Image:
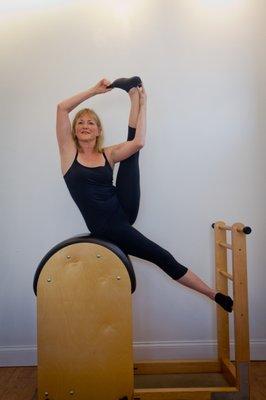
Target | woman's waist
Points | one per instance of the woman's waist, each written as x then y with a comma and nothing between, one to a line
99,219
94,193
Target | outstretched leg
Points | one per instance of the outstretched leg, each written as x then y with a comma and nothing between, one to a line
194,282
134,243
128,175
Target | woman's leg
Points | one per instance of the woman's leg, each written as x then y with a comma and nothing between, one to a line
128,176
194,282
134,243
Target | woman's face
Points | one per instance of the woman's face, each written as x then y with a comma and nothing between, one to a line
86,128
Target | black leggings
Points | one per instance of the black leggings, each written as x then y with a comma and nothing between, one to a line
121,233
128,183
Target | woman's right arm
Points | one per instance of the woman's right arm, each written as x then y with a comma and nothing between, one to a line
63,125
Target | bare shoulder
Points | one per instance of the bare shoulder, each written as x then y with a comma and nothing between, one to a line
67,155
108,152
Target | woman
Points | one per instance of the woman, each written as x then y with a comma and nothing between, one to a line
109,211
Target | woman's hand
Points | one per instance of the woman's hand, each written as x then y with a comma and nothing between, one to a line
101,86
142,96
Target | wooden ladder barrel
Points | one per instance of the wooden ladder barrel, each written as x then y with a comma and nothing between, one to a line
84,321
84,331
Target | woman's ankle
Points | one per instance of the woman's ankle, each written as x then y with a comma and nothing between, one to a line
133,91
212,295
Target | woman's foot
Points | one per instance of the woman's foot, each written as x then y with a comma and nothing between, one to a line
224,301
126,83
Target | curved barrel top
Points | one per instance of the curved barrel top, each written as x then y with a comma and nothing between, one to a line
87,238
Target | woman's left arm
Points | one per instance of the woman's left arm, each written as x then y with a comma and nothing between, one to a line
124,150
121,151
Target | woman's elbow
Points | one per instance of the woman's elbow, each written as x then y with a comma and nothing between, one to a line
140,145
60,106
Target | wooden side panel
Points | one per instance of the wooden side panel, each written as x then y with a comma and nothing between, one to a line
241,317
240,295
221,286
84,328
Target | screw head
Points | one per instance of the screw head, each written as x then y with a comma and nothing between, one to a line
118,278
71,392
68,256
49,280
98,255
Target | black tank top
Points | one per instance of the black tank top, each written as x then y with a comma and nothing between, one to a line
93,191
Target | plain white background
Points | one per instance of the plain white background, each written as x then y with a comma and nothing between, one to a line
203,66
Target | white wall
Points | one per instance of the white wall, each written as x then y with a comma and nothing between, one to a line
203,66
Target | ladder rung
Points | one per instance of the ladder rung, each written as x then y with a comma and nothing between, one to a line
229,276
226,245
225,228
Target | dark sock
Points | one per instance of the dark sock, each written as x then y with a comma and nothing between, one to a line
224,301
126,83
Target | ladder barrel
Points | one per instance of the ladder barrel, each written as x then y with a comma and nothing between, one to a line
84,325
84,321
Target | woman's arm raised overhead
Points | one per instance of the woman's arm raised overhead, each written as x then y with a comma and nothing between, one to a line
63,125
124,150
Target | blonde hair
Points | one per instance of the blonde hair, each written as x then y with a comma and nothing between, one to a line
99,139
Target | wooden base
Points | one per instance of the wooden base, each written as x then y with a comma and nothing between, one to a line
189,379
84,326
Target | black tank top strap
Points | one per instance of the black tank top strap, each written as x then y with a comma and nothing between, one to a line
107,162
104,155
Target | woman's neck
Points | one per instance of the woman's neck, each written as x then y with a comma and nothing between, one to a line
88,149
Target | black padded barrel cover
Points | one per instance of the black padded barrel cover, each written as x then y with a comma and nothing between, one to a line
87,238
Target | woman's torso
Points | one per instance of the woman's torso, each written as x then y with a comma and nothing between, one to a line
92,189
68,157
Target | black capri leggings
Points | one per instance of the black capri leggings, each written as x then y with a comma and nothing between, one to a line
120,231
134,243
